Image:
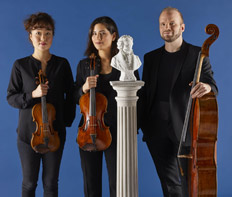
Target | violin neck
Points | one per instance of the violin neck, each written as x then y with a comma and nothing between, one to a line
44,109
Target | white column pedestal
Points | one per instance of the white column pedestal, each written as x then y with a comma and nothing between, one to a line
127,162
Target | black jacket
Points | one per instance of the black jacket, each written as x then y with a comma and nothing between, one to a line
60,93
180,89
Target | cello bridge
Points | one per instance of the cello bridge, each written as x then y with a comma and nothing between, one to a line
185,156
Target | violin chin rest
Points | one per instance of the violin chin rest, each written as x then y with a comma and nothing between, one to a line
89,147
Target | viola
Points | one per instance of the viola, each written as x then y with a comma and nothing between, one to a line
93,135
44,139
202,121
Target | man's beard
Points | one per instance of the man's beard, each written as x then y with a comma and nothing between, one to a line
172,38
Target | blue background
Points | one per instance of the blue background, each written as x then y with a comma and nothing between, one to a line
138,19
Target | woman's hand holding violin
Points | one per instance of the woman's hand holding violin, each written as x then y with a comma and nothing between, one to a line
41,90
91,82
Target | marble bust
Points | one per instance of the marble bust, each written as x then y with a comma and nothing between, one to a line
126,61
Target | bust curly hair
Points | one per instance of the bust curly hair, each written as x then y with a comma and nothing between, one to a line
122,39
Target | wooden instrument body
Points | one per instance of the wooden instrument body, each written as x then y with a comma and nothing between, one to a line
44,139
203,166
44,131
93,135
93,125
202,120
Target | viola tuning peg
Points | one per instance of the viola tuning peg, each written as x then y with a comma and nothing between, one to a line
92,56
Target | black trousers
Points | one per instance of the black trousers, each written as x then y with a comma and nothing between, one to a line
30,161
91,163
163,148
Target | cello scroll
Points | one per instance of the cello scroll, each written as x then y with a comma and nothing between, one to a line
209,29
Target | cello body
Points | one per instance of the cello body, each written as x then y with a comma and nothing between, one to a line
203,166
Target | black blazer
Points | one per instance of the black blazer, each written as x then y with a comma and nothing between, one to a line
180,89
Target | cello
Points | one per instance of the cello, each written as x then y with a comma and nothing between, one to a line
93,135
44,139
201,120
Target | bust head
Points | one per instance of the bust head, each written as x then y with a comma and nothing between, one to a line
125,60
125,43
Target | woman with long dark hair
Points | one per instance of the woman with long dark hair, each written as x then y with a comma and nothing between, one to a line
102,41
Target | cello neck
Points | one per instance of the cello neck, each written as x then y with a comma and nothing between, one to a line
189,106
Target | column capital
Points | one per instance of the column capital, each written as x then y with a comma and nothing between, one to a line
122,84
126,88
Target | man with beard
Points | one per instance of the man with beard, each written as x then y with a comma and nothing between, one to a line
168,73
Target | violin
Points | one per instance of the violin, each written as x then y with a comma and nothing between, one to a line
201,120
44,139
93,135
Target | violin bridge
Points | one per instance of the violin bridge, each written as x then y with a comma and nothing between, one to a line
86,126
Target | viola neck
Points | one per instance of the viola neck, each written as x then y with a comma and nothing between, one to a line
44,109
92,100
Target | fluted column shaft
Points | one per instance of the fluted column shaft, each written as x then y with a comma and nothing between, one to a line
127,162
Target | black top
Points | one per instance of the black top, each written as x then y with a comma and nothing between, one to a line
103,86
160,108
23,82
168,63
165,75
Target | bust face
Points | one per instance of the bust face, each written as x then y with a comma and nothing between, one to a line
127,46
